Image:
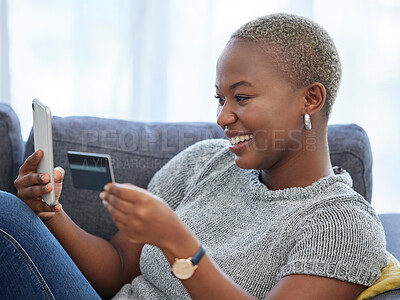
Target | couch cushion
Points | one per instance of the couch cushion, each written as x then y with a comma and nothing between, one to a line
350,149
11,149
137,151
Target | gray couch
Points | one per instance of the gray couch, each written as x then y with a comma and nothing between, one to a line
139,149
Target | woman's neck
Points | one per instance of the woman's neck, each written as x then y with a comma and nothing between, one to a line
301,168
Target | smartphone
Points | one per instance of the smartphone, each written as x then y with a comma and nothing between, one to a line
90,171
42,136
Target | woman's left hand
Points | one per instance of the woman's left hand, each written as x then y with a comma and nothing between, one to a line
142,216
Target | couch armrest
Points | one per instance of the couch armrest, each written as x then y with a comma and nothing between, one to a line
11,147
390,295
391,224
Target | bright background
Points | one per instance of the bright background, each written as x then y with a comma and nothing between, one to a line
154,60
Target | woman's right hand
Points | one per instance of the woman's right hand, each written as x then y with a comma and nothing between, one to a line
31,186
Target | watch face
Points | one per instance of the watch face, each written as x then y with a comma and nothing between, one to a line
183,268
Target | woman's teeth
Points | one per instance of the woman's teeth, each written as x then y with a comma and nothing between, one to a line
238,139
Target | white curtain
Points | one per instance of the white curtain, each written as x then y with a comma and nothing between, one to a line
154,60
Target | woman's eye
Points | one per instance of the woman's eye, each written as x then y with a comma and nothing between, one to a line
241,98
220,99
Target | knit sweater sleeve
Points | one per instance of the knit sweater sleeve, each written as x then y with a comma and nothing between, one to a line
173,180
338,239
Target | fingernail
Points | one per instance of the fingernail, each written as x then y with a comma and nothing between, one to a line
102,194
61,170
106,187
42,177
105,203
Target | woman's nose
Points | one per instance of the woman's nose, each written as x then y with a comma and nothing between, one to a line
226,115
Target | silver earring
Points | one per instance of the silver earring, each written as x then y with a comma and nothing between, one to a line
307,122
226,127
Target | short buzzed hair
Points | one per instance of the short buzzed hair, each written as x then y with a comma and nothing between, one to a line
307,52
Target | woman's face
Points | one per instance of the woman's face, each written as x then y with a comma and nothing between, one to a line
260,107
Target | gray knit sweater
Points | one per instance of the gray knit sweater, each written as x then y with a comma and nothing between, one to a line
257,236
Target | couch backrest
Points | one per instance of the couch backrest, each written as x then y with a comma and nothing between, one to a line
139,149
11,148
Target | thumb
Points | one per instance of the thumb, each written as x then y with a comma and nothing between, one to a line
58,174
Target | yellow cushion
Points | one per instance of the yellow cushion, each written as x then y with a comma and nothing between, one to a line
389,280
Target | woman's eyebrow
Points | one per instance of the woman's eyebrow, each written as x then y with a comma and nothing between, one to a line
239,83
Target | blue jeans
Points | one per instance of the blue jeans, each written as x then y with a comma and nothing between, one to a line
33,265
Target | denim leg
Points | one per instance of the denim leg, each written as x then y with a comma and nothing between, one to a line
19,276
33,265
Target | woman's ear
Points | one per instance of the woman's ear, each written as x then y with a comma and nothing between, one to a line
314,98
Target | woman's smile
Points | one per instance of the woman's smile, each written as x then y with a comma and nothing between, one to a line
239,141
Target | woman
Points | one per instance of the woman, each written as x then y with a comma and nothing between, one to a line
262,215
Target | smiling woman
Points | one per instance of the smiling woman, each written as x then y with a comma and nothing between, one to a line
262,217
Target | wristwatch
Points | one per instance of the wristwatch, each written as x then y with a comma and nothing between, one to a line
183,268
